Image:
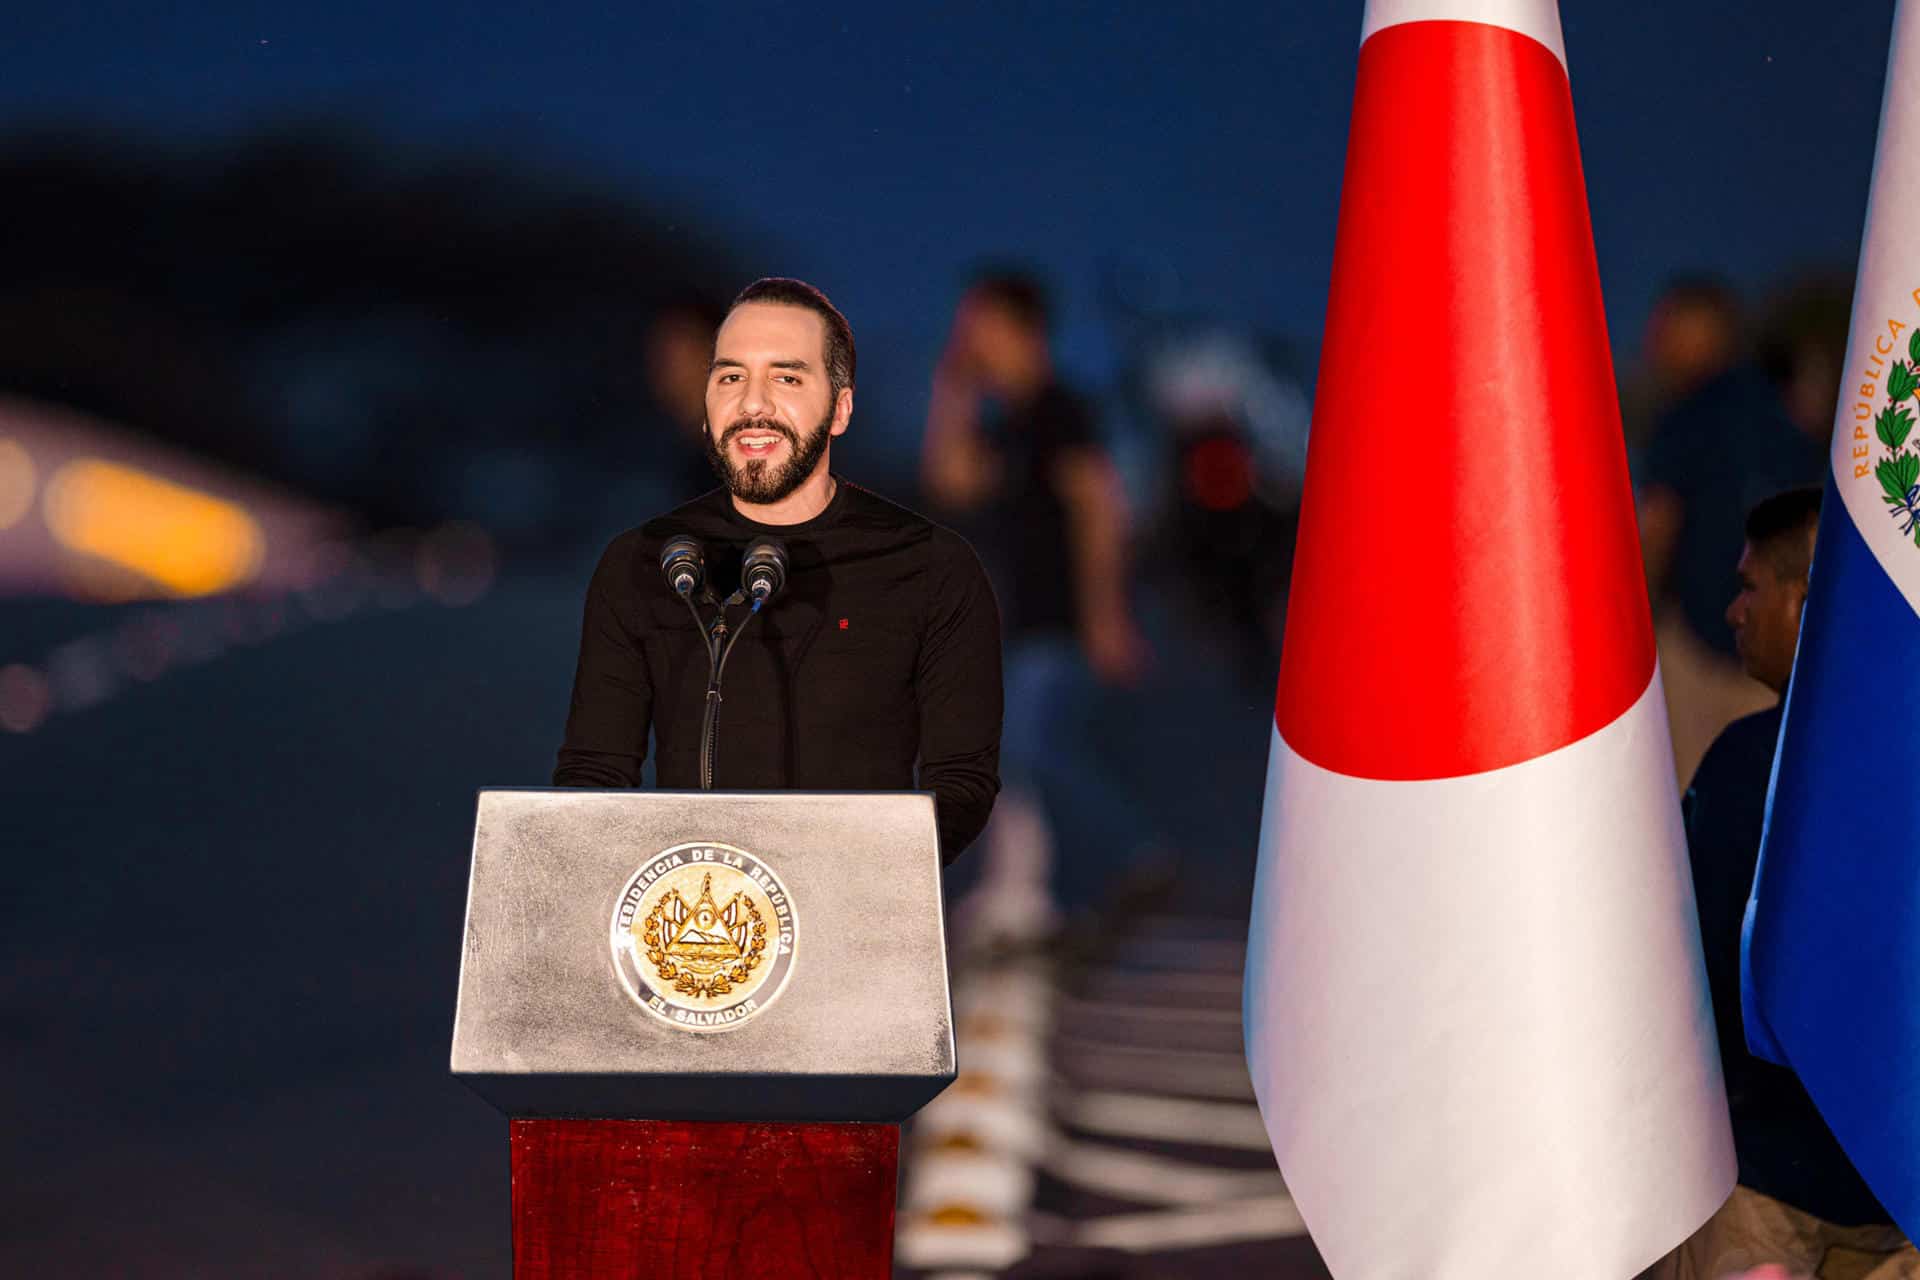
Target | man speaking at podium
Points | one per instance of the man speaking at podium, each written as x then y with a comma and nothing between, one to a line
867,637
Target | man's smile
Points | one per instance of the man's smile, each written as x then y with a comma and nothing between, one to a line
756,444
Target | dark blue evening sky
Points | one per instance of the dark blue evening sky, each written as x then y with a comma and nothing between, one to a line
883,148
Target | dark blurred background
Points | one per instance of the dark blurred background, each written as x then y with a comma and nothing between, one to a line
335,341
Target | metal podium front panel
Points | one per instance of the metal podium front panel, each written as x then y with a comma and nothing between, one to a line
704,955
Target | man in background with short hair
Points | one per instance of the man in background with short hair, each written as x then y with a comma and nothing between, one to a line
1799,1199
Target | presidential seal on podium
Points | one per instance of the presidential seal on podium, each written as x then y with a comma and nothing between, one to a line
703,936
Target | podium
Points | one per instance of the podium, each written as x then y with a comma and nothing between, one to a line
706,1015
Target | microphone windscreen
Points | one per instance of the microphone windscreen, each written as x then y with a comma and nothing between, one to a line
763,570
683,561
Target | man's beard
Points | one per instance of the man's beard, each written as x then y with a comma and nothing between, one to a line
758,480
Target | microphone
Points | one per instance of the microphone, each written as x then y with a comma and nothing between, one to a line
763,570
684,562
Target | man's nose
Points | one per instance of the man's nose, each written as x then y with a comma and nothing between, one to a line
1736,612
753,397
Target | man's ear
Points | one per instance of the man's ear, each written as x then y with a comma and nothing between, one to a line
842,411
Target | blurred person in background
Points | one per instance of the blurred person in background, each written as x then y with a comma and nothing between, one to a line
876,666
1750,430
677,356
1798,1195
1220,417
1227,539
1010,444
1693,334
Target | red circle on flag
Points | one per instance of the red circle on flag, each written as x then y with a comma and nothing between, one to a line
1467,591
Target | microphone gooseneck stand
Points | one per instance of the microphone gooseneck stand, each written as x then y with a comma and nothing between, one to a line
719,649
763,572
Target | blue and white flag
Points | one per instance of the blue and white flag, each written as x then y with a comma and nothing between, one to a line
1831,958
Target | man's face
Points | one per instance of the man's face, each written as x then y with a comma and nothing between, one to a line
1686,344
770,407
679,347
1765,618
1000,347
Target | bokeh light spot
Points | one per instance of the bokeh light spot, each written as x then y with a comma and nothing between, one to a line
16,482
187,542
456,563
25,698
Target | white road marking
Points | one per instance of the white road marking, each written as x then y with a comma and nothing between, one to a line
1012,1125
1150,1179
987,1183
1144,1115
1088,1063
991,1245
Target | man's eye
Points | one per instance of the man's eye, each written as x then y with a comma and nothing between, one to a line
787,377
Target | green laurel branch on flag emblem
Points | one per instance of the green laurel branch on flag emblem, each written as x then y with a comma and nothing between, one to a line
1899,472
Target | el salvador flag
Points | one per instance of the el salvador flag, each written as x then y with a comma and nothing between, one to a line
1831,958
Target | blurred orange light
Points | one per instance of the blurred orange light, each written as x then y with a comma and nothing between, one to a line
16,482
187,542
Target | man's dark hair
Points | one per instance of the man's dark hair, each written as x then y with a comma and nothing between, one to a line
1781,528
1019,292
1806,324
798,293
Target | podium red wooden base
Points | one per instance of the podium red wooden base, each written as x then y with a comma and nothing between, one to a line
647,1199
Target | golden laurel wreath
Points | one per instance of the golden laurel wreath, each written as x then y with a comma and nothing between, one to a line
704,968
